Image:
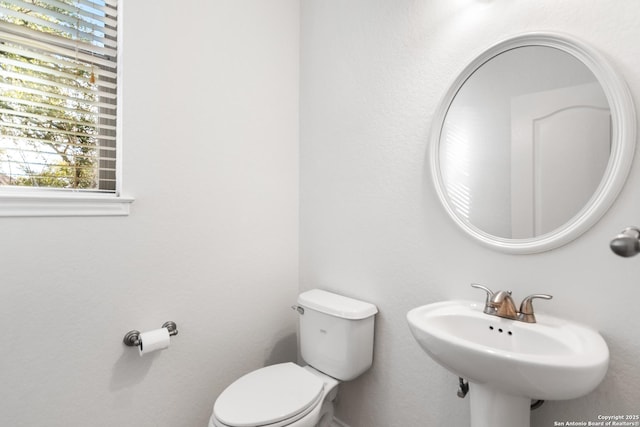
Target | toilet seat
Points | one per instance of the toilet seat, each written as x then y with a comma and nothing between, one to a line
279,395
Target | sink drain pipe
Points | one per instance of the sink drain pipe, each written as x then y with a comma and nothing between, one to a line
536,404
463,389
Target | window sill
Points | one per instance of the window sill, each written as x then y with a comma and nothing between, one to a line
74,204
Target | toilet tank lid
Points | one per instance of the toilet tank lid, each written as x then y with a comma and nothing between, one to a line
336,305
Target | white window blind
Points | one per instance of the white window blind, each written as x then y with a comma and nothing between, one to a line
58,94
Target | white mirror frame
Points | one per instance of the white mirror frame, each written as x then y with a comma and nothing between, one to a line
623,143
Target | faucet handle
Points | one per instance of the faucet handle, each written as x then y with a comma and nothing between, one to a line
484,288
526,307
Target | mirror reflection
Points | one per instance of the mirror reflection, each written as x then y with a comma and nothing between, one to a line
525,142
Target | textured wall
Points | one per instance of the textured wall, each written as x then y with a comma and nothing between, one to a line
372,72
211,153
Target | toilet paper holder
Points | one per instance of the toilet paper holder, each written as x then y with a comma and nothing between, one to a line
132,338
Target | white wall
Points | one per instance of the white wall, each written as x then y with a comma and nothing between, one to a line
210,154
372,72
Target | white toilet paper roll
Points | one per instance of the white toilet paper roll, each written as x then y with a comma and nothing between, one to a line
155,340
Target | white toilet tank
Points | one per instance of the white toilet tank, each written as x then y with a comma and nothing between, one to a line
336,333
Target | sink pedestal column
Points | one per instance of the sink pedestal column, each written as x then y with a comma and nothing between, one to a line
492,408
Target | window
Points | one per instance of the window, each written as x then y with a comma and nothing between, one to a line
58,88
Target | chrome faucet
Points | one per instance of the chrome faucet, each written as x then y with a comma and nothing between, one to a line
501,304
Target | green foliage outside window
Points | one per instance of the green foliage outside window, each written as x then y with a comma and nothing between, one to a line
50,123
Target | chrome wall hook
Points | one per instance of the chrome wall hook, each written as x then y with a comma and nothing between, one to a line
627,242
132,338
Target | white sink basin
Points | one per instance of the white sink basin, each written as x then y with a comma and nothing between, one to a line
549,360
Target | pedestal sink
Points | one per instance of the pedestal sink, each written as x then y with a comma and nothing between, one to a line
508,363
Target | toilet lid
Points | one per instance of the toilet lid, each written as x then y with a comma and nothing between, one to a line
268,395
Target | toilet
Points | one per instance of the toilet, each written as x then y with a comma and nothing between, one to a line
336,343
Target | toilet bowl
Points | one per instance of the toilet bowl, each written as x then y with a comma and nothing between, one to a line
336,341
280,395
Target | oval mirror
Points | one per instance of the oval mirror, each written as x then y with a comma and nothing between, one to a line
532,143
